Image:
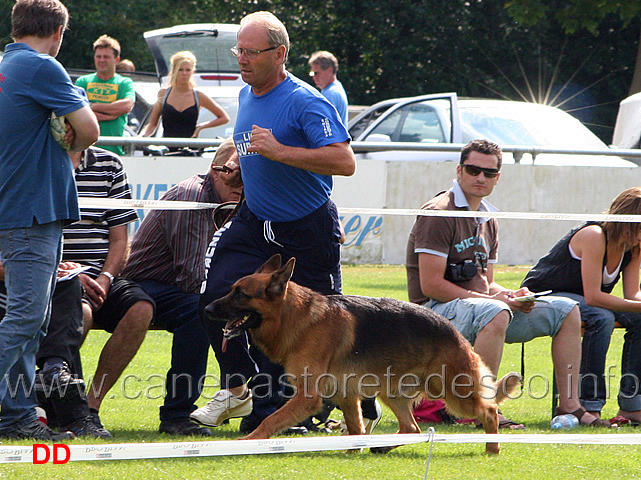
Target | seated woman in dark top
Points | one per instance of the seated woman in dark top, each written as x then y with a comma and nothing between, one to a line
179,104
585,265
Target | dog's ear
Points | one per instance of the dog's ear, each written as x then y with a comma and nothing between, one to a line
279,279
271,265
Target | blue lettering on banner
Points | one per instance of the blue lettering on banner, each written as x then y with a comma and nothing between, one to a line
147,191
358,228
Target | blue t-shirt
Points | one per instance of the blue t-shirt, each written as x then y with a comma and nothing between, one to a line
297,116
36,175
335,93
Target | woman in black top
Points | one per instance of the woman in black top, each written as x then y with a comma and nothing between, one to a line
585,265
179,104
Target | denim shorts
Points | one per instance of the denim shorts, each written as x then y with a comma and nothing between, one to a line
471,315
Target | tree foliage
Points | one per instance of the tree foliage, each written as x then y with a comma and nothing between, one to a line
392,49
583,14
575,14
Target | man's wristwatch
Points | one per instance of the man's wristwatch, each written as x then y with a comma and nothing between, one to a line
109,276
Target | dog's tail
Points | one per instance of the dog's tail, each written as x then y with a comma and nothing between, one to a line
507,386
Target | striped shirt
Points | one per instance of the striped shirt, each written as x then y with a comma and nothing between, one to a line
99,175
170,245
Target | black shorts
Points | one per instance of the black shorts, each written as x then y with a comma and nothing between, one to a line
122,295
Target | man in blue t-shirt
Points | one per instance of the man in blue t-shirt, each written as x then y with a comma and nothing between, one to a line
290,141
37,197
324,67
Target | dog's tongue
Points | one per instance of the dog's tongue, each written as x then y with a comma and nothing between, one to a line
224,346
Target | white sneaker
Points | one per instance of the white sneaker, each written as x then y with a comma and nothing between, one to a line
224,405
370,424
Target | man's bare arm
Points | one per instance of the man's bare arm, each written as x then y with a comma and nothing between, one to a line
431,271
117,108
116,256
102,117
118,250
85,127
333,159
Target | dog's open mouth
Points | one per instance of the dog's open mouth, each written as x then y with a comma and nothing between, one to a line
233,328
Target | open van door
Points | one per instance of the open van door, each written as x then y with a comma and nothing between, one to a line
627,129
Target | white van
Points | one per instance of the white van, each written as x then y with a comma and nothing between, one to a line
209,42
627,129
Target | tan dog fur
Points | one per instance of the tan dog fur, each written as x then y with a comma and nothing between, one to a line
328,343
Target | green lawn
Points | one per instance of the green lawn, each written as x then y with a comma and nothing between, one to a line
131,413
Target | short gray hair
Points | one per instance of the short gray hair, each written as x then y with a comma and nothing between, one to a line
325,59
276,31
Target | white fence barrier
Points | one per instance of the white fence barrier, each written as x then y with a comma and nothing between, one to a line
136,451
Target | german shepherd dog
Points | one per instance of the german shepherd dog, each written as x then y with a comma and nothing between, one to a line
344,348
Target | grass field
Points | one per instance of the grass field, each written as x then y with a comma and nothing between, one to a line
131,413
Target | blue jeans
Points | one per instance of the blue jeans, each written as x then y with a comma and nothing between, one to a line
177,312
30,257
599,324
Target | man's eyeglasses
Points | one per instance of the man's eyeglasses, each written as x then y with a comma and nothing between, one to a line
476,171
250,52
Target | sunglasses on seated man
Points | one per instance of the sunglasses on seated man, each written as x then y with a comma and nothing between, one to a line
476,171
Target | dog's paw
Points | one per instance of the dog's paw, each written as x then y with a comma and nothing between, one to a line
492,448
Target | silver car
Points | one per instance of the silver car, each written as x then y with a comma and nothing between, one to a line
447,119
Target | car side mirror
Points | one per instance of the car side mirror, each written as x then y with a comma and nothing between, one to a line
378,137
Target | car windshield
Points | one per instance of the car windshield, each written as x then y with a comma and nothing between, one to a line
524,124
211,48
364,122
416,122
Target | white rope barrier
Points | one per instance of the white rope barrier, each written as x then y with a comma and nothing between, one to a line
86,202
137,451
544,438
107,203
512,215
